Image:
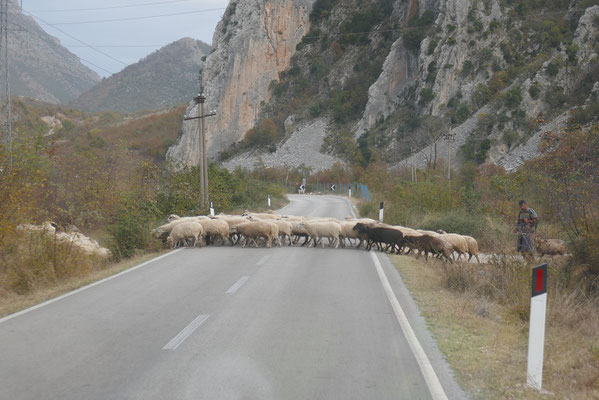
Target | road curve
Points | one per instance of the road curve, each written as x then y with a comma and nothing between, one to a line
230,323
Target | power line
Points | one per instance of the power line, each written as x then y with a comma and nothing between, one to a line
136,18
42,39
113,7
73,37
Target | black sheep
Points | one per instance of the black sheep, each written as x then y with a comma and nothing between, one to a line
381,235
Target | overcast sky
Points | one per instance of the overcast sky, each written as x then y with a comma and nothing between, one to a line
149,34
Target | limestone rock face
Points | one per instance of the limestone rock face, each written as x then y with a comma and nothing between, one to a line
253,44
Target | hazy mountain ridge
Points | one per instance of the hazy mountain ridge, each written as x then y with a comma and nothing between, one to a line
167,77
40,67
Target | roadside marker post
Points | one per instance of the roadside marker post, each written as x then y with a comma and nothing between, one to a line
269,200
381,211
536,333
350,190
211,209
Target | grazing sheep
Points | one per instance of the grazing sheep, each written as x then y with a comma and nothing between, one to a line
551,247
192,230
472,247
457,241
318,230
378,233
258,229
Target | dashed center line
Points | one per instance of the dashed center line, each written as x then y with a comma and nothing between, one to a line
186,332
263,260
238,285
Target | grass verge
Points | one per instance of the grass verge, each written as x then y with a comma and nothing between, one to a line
485,339
11,302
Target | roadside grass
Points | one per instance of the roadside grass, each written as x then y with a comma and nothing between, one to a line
481,327
11,302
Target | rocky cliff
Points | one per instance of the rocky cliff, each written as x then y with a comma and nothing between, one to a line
388,79
167,77
253,45
39,66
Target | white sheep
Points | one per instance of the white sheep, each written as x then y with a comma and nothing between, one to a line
185,231
551,247
320,230
215,228
253,230
472,247
457,241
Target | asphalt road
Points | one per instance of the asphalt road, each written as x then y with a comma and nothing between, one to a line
231,323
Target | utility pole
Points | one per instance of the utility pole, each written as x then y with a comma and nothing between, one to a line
412,167
449,137
200,99
5,58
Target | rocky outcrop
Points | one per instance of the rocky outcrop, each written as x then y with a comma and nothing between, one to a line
164,78
303,148
39,66
253,44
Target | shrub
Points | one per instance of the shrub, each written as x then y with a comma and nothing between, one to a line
552,69
513,97
534,91
426,95
462,113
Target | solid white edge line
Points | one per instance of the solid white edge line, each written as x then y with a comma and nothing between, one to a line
186,332
351,207
263,260
81,289
238,285
432,381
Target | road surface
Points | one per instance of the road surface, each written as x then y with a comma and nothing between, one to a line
231,323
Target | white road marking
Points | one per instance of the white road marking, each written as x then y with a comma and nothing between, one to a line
186,332
238,285
432,381
263,260
11,316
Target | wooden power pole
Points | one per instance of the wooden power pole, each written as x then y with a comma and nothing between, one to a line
200,99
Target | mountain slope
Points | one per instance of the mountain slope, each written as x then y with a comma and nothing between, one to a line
39,66
165,78
391,77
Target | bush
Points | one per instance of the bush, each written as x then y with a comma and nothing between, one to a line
552,69
534,91
462,113
426,95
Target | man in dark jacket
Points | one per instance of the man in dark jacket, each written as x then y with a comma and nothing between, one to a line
526,227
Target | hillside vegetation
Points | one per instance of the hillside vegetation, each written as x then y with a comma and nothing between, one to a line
105,174
164,78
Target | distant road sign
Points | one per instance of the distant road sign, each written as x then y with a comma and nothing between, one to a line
333,188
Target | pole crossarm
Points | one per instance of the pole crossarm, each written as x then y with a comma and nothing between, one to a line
200,116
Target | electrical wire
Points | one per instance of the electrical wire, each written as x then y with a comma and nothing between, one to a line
138,18
112,7
74,38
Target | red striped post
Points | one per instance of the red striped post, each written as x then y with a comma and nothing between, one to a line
536,333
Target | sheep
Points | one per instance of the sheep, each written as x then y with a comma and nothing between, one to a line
348,232
318,230
298,230
435,245
216,228
430,233
163,231
254,229
550,247
233,221
457,241
46,227
285,230
381,234
184,231
261,215
472,247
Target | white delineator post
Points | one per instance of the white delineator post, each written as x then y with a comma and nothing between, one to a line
536,333
381,211
350,191
211,209
269,200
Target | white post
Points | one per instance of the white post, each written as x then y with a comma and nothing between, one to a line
211,209
536,333
350,190
269,200
381,211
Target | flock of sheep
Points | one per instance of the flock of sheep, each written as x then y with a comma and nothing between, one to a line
270,229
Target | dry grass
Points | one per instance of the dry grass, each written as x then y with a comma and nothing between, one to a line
479,314
11,302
